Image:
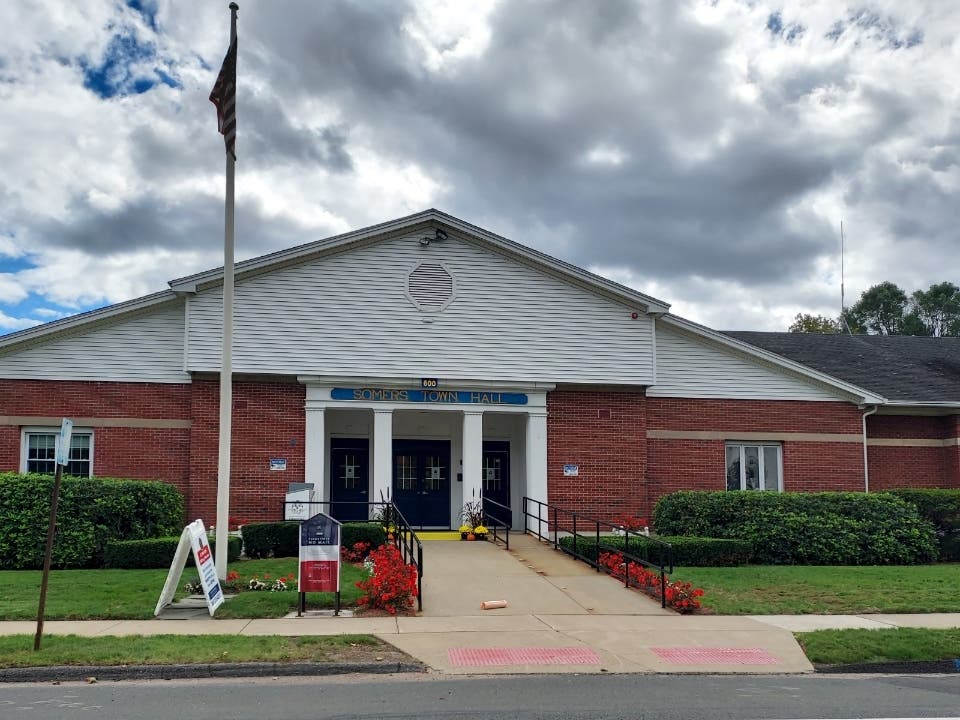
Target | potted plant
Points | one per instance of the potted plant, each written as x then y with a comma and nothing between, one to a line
480,532
472,518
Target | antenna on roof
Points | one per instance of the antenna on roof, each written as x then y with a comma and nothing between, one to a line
843,308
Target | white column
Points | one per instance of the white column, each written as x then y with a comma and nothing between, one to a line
382,455
472,455
315,456
536,475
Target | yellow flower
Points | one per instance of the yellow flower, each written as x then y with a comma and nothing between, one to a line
466,529
479,530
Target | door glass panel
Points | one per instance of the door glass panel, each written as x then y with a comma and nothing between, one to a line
751,469
406,473
771,468
349,471
435,474
492,477
733,467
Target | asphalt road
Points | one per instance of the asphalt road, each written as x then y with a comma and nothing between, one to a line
590,697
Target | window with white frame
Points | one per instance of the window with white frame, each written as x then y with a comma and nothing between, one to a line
40,452
754,466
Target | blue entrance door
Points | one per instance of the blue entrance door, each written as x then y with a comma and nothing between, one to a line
421,481
495,480
349,478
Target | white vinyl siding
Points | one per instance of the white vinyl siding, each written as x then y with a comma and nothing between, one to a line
693,367
144,347
350,314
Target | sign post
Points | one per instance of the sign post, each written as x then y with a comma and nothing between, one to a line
62,457
319,569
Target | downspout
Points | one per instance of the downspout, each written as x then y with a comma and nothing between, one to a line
866,470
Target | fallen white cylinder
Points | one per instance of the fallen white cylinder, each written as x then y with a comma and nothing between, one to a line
493,604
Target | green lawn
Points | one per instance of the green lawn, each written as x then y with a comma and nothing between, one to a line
794,589
17,650
133,594
833,647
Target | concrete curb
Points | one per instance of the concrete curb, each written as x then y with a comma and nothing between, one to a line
67,673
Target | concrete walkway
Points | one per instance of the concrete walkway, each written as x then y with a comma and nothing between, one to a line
561,617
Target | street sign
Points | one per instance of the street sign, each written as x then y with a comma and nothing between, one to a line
63,445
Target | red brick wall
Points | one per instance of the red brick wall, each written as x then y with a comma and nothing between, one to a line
913,466
688,464
142,453
604,432
69,398
9,448
753,415
268,422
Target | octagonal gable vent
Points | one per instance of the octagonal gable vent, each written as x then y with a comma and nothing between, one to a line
430,286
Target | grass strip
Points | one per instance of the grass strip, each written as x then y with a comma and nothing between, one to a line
104,594
17,650
840,647
801,589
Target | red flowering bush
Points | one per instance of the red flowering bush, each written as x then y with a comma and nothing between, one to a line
629,522
356,553
681,596
392,586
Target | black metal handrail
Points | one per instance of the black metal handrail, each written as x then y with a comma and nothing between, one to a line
403,535
496,522
586,533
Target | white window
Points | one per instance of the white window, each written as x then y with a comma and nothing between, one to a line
39,452
754,466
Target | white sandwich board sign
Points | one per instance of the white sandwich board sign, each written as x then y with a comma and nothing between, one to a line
193,537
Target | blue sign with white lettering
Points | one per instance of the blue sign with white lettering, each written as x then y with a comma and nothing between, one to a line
466,397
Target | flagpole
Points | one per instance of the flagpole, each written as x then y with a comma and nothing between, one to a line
226,367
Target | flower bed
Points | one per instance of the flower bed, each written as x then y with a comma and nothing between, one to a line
680,596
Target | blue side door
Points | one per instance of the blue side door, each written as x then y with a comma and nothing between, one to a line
495,480
349,478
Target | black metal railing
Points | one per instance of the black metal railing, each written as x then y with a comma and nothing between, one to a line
383,512
590,539
497,518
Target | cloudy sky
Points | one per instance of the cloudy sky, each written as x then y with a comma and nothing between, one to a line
701,151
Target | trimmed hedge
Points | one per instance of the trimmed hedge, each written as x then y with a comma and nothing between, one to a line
157,552
687,551
942,508
90,513
281,539
830,528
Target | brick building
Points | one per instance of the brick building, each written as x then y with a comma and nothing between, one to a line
430,361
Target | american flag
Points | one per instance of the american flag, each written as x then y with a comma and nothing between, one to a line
224,96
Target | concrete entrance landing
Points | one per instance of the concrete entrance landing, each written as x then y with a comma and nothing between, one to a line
562,616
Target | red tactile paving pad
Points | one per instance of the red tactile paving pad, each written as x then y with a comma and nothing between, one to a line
714,656
479,657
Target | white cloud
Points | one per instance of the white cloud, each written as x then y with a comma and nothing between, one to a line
702,152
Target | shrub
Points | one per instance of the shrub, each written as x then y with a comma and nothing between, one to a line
942,508
91,512
156,552
686,551
271,539
282,539
367,532
832,528
392,586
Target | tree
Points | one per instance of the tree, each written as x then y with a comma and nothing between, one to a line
880,310
938,309
807,323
